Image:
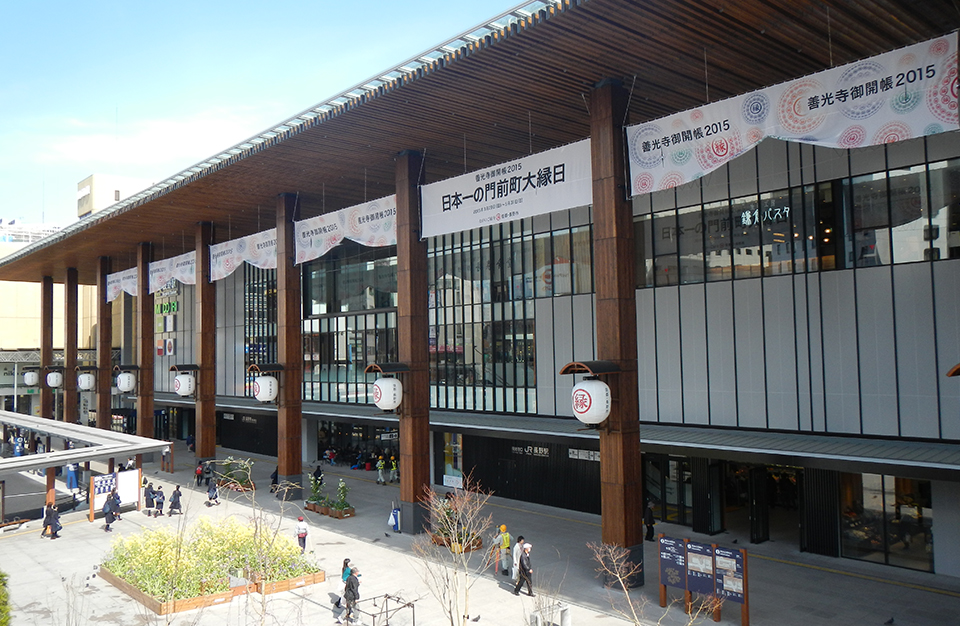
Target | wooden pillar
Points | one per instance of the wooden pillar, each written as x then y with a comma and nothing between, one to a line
104,346
413,341
145,344
205,323
289,350
70,347
46,345
620,483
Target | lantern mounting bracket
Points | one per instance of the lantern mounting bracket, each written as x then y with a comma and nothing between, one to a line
186,367
386,368
266,367
53,368
126,368
954,371
86,368
591,368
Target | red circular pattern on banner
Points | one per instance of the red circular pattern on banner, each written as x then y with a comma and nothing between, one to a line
939,48
792,108
942,100
717,152
754,135
696,116
853,137
672,179
908,60
643,183
890,132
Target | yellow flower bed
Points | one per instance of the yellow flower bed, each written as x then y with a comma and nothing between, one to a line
167,565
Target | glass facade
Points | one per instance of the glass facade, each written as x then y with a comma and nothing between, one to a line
259,320
483,287
886,519
898,216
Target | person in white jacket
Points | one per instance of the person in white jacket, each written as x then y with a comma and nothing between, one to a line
302,531
517,551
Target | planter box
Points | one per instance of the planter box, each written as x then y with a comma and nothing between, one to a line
172,606
235,486
343,513
323,510
290,583
312,506
475,544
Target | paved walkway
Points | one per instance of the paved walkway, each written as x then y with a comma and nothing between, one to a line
54,582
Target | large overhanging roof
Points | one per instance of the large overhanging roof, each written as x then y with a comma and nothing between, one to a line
90,444
516,85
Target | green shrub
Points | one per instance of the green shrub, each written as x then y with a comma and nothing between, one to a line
4,601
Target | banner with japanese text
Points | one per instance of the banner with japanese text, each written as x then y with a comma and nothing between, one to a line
541,183
902,94
181,268
372,224
118,282
259,250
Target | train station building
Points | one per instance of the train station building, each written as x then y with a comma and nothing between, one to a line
743,218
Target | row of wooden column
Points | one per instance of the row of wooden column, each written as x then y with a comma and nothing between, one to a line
615,313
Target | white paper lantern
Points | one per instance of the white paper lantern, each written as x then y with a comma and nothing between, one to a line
591,401
54,380
31,379
387,393
86,381
126,382
266,388
184,384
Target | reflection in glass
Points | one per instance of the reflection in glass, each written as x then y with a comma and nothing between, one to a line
775,233
643,245
690,244
945,209
909,215
665,248
746,237
871,220
718,240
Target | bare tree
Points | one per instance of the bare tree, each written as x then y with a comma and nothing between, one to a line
619,572
451,553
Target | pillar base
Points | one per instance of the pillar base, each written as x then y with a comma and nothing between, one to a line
293,487
635,556
413,517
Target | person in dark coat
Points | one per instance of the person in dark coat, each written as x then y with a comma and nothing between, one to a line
148,497
109,514
51,520
207,473
159,499
174,501
114,499
526,572
199,473
351,593
212,496
273,479
649,520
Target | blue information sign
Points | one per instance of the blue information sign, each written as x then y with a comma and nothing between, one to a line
700,578
673,567
729,575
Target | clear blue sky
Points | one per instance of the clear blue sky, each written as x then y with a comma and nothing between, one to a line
146,89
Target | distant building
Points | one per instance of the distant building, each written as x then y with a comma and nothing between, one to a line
99,191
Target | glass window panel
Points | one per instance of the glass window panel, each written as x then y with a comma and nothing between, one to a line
562,279
690,244
861,510
542,267
909,517
945,209
643,251
833,232
871,220
746,237
665,263
776,237
801,214
582,240
718,241
909,215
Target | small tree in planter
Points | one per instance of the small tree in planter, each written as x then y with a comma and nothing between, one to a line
341,507
236,474
317,499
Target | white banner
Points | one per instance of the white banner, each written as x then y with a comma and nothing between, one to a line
118,282
318,235
259,250
910,92
534,185
182,268
372,224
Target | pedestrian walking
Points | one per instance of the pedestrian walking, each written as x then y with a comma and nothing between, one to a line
109,514
273,479
501,543
114,499
351,594
158,499
199,473
207,472
649,520
148,497
394,474
302,534
212,496
51,522
517,551
526,572
174,501
380,466
344,575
